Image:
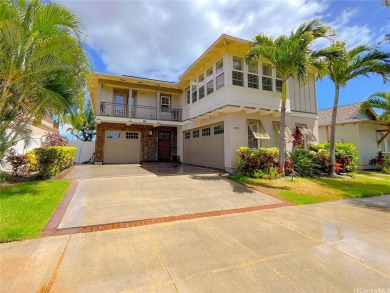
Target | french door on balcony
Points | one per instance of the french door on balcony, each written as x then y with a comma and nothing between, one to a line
120,104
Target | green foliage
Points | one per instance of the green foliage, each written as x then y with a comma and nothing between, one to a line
83,123
386,164
379,100
44,68
18,162
258,163
54,159
31,161
305,164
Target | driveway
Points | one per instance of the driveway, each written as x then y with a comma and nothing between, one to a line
121,193
341,246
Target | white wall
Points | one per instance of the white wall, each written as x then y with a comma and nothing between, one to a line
85,149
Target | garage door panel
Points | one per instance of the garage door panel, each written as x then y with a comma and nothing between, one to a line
123,148
205,151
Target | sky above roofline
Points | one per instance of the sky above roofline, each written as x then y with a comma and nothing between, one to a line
161,39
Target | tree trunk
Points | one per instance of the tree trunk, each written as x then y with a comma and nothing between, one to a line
282,128
332,141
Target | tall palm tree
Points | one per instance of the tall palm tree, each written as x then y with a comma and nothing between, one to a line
379,100
292,56
361,60
43,66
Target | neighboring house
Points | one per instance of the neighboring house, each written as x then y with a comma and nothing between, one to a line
38,133
219,104
363,130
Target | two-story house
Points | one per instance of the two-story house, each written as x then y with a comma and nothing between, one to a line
219,104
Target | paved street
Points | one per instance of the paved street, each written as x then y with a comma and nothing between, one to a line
331,247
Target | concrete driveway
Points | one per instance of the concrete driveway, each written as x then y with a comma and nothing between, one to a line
121,193
341,246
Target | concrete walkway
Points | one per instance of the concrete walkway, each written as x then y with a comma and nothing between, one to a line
121,193
341,246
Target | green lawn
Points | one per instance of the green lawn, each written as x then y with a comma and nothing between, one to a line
313,190
25,208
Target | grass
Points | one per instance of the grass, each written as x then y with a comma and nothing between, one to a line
25,208
314,190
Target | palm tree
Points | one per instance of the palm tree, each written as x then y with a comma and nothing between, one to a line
292,57
379,100
43,66
361,60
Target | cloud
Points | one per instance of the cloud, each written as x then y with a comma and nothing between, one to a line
160,39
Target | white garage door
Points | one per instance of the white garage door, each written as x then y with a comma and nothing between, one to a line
205,146
122,147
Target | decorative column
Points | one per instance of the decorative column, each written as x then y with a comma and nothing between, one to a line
158,105
130,102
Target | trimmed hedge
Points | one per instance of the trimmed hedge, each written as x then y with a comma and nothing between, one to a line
53,159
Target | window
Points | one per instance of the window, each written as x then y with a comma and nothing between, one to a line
218,129
206,131
276,129
188,96
210,87
220,81
309,136
131,135
165,103
253,142
385,144
253,75
238,63
219,67
194,94
209,71
238,78
201,92
267,77
195,133
238,74
253,81
113,134
187,135
120,106
258,129
278,83
201,78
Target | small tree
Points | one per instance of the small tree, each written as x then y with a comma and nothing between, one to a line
83,123
54,139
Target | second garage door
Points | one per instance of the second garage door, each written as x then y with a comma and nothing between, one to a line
205,146
122,147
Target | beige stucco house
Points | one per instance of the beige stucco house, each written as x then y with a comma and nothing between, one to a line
219,104
363,130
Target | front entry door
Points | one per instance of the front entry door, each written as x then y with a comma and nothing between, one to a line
164,145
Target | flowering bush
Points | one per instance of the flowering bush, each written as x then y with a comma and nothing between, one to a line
54,139
382,161
19,163
53,159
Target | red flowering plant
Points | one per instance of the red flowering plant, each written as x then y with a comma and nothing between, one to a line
54,139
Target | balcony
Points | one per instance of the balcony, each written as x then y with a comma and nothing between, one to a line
139,112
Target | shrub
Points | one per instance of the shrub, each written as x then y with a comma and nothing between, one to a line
19,163
258,163
378,160
31,161
305,164
386,164
54,139
54,159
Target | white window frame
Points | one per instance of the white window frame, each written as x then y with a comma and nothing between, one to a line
278,78
187,135
163,107
188,97
258,129
238,72
263,76
306,131
385,143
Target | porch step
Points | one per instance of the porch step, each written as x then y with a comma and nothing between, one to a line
161,163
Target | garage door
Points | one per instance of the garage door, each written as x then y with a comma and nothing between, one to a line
205,146
122,147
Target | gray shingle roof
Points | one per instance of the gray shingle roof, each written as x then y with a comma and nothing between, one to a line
345,114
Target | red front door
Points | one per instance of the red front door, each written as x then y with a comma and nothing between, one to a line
164,145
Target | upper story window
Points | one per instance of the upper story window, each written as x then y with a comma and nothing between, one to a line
238,74
220,81
278,82
201,78
209,71
201,92
253,75
267,77
165,103
210,87
188,96
219,67
194,93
